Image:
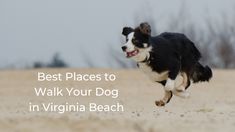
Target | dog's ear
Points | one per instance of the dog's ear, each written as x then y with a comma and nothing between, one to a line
127,30
145,28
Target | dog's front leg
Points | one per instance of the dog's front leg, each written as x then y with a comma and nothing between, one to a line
170,84
166,99
173,72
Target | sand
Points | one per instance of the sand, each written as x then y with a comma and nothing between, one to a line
211,106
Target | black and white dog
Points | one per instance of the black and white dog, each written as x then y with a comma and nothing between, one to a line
164,57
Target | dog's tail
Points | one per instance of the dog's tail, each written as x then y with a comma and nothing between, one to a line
201,73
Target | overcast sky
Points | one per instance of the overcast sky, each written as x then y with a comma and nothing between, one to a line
32,30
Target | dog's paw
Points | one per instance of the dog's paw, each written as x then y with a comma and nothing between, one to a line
170,85
182,94
160,103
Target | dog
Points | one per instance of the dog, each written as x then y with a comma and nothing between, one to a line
164,57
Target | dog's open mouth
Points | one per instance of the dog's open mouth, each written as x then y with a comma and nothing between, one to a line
132,53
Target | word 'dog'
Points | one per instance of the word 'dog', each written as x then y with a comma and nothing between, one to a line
106,92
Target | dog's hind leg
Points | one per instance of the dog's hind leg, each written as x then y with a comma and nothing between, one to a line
166,99
180,90
184,83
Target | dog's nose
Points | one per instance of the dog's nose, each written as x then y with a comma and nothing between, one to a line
124,48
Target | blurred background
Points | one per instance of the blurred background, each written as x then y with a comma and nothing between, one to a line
76,33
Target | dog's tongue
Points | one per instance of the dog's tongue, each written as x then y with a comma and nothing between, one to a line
132,53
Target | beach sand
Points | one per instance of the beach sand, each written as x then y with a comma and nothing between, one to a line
210,107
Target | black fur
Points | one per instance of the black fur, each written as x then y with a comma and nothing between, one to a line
127,30
176,53
201,73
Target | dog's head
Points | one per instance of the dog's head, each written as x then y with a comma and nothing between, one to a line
137,41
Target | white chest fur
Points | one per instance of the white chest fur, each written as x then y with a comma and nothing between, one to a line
154,76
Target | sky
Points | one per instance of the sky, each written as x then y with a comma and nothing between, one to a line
81,30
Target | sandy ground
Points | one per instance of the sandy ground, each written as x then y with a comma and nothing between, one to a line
211,106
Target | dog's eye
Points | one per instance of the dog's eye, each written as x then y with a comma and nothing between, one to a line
127,39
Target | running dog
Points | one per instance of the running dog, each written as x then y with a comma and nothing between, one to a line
164,57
